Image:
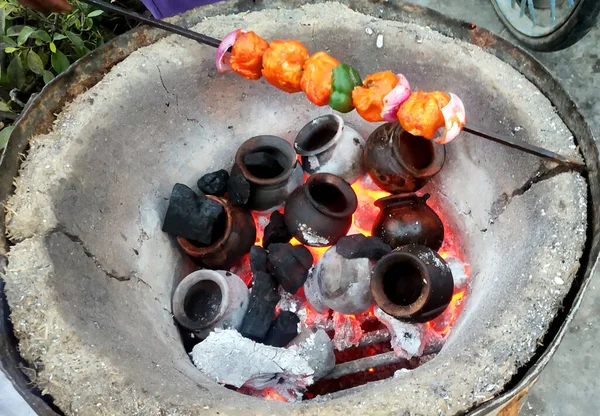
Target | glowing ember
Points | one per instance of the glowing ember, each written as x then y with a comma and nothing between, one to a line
444,323
271,394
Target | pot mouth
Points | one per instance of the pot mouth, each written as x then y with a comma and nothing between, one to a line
417,155
200,299
223,229
400,284
331,195
278,150
396,199
319,135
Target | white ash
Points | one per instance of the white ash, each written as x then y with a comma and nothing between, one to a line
379,41
458,272
317,349
430,257
407,339
311,237
347,331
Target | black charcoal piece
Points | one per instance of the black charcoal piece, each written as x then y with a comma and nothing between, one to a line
276,231
214,183
238,189
192,216
289,265
357,245
263,165
261,307
258,259
283,330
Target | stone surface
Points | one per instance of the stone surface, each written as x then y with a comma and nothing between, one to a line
214,183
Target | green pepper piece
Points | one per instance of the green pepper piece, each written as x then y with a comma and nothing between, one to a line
344,79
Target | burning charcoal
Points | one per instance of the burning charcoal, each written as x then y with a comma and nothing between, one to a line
238,189
258,259
283,330
347,331
214,183
289,265
261,309
357,245
276,231
263,164
192,216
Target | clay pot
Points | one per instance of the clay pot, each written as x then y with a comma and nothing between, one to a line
398,162
320,212
237,237
407,219
208,299
413,284
340,284
269,187
328,145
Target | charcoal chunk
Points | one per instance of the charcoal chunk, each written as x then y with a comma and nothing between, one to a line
283,330
258,259
289,265
261,307
192,216
263,164
238,189
214,183
357,245
276,231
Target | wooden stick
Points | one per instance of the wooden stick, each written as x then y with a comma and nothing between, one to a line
526,147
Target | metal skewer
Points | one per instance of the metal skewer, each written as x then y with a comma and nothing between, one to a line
525,147
198,37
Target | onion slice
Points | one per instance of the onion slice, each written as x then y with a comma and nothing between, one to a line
455,117
395,98
223,53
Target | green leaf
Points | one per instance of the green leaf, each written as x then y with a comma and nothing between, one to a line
4,107
48,76
60,62
10,50
24,34
95,13
59,36
52,47
5,135
5,41
41,35
35,62
14,30
16,72
76,41
2,20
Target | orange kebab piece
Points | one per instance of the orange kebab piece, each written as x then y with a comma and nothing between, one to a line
247,55
316,80
421,114
368,99
283,64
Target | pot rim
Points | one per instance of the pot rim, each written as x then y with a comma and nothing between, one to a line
263,142
305,132
343,186
377,289
196,251
389,200
438,150
184,287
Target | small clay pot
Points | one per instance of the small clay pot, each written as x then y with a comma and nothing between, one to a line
208,299
399,162
238,235
319,213
413,284
269,187
328,145
407,219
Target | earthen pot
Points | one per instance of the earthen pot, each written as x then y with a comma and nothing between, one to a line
399,162
412,283
328,145
269,188
238,235
319,213
209,299
407,219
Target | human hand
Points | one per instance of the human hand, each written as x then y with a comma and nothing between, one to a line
47,6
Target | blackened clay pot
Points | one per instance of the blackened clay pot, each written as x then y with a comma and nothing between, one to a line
407,219
208,299
399,162
269,188
413,284
237,236
328,145
319,213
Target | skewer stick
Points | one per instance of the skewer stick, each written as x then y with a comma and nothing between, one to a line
525,147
